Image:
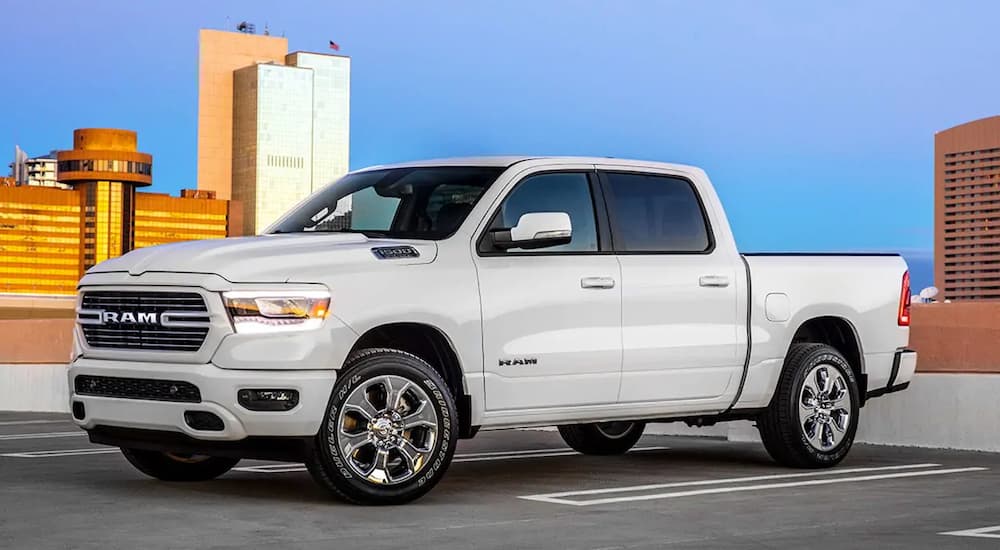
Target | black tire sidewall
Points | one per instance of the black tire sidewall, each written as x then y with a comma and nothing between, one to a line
334,464
591,440
824,356
161,466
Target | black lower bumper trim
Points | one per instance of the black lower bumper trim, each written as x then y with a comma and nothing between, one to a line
287,449
892,386
887,390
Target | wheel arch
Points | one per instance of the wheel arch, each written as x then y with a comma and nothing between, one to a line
433,346
839,333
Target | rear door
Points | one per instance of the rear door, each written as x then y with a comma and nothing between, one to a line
551,316
680,328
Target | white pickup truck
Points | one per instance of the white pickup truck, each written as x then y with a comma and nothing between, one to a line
405,307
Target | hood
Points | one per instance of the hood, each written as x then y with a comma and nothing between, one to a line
268,258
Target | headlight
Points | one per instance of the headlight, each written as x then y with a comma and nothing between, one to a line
265,311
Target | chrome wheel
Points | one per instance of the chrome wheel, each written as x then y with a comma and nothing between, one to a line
614,430
824,407
387,429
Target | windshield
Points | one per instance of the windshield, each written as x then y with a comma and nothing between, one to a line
415,203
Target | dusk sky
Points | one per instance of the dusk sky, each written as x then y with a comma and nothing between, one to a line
815,121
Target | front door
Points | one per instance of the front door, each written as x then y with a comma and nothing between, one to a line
551,316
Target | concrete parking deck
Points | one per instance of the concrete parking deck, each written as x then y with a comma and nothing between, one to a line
513,489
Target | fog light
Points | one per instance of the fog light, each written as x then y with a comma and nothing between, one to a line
79,411
268,400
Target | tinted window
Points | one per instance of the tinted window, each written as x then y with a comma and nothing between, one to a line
655,214
559,192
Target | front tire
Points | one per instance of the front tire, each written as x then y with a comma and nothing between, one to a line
813,416
603,438
178,467
390,430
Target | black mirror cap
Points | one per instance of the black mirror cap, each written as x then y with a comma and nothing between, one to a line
546,242
501,240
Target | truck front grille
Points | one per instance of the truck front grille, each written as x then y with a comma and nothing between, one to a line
137,388
136,320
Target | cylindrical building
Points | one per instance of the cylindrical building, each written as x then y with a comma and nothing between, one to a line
106,166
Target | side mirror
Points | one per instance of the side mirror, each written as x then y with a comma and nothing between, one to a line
535,230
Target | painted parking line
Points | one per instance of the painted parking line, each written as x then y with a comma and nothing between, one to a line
829,477
468,457
62,452
47,435
980,533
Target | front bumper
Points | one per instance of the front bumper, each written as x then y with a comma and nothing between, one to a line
218,387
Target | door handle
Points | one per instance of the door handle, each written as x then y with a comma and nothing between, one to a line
597,282
716,281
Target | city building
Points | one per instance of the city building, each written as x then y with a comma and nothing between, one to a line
50,236
967,210
286,118
18,169
221,53
37,171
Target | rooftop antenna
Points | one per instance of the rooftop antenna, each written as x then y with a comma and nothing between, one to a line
266,31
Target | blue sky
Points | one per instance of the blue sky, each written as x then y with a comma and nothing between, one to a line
815,120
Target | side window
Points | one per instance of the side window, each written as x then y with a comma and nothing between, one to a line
655,214
567,192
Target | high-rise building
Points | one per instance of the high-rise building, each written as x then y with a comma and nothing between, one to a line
219,55
967,210
39,171
50,236
272,144
331,125
18,169
288,125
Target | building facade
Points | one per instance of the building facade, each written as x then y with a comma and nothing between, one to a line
288,125
967,210
330,123
221,53
37,171
50,236
272,160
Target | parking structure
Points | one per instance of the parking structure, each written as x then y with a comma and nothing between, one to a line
505,489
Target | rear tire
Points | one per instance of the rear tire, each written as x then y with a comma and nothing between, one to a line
175,467
603,438
390,430
813,416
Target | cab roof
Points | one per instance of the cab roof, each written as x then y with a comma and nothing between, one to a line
505,161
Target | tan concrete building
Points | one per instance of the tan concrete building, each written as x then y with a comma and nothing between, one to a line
967,210
286,119
221,53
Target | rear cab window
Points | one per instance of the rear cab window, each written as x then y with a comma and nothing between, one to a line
653,213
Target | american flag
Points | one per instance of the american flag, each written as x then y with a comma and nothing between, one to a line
334,46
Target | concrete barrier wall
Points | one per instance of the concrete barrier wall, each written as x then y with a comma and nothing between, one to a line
38,387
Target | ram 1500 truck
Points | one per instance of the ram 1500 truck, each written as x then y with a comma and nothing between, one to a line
404,307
